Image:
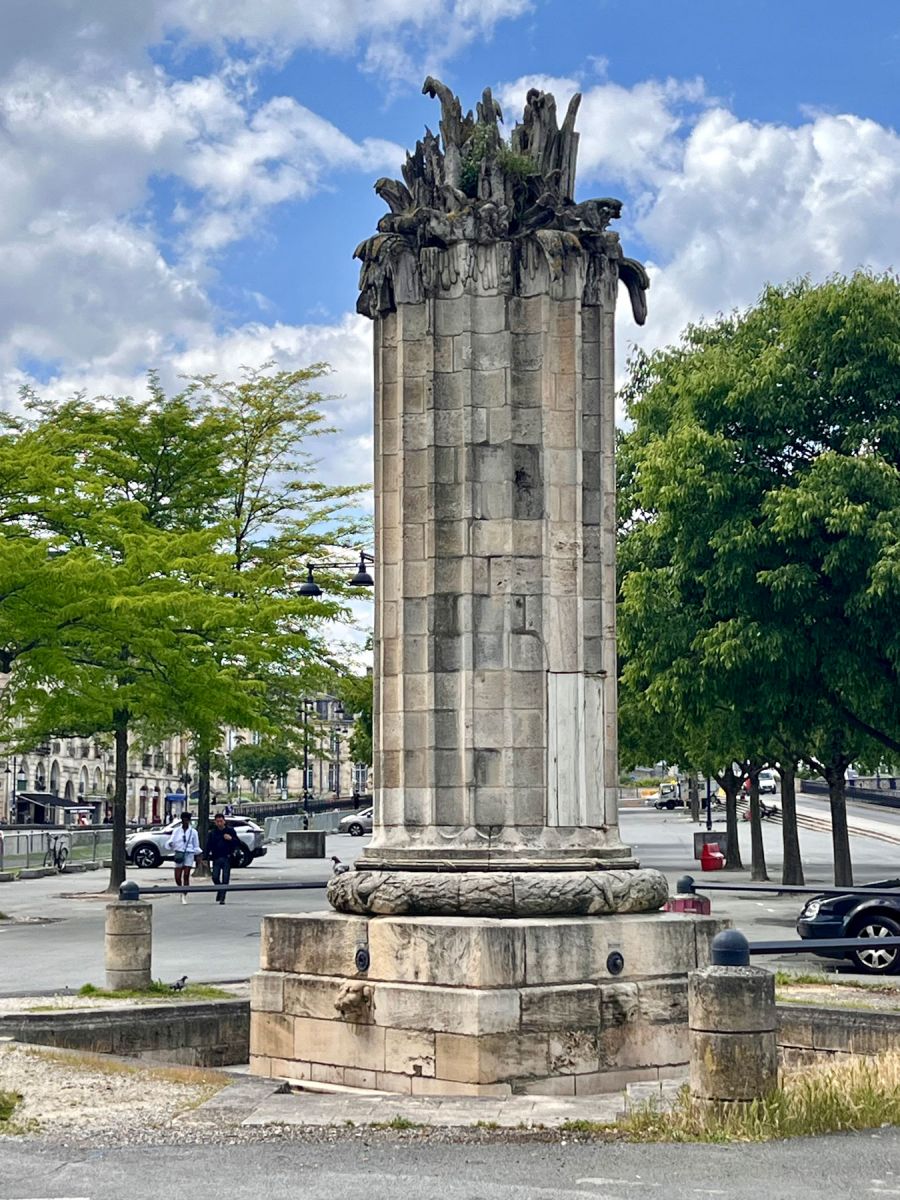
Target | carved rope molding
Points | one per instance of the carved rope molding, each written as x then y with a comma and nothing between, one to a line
469,189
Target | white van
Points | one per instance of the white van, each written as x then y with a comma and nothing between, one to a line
768,782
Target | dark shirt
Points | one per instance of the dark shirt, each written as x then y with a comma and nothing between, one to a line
216,844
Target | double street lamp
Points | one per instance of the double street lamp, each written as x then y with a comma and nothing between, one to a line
362,578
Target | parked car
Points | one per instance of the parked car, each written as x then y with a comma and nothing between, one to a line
147,847
877,916
356,824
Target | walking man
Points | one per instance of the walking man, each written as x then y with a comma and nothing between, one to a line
220,842
185,846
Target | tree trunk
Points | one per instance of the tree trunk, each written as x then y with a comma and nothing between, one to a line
731,785
694,794
840,838
758,872
120,799
204,769
792,865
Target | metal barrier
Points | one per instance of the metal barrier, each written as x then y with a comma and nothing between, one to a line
27,848
688,886
731,949
131,891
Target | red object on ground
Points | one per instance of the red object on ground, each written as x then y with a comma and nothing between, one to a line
711,857
688,904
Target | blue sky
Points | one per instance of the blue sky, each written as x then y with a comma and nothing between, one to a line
183,182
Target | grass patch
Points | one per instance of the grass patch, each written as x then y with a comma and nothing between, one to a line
158,991
80,1060
4,917
836,1098
9,1102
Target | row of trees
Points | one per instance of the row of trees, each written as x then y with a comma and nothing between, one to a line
759,548
150,555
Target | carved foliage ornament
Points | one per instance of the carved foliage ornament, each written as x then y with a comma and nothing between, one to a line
471,185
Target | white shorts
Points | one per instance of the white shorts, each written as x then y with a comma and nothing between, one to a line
188,861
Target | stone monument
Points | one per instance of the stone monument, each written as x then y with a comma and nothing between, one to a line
476,943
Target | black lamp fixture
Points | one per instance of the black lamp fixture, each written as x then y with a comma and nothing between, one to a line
362,578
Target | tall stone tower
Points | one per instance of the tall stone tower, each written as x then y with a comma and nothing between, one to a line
493,298
496,936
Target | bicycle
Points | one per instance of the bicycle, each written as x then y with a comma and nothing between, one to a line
57,852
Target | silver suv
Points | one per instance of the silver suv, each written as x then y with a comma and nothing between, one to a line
147,847
356,824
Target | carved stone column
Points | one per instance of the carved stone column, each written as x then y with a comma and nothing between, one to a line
493,299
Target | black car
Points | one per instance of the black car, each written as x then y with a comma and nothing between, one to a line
877,916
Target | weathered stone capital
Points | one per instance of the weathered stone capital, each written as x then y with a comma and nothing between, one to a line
470,188
498,893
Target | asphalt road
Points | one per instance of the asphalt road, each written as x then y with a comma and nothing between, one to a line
355,1168
61,946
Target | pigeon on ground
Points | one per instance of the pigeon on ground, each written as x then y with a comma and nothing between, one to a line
339,867
178,985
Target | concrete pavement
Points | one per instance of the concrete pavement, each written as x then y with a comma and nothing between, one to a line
354,1165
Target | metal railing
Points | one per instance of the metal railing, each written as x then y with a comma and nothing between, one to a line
131,891
687,885
26,848
731,949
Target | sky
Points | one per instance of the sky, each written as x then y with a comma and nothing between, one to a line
183,182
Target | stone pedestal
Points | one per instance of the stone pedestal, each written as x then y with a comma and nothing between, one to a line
475,1006
128,944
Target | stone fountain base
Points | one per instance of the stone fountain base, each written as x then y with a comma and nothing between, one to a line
451,1005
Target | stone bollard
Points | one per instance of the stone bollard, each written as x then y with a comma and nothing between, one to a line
305,843
731,1018
128,944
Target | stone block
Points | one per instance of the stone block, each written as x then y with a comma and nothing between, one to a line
339,1043
560,1085
315,996
641,1045
272,1035
312,943
267,991
493,1058
389,1081
663,1001
466,1010
574,1052
305,843
425,1086
409,1052
575,950
474,952
354,1077
600,1082
569,1006
327,1073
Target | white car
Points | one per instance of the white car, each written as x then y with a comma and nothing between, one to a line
768,782
148,847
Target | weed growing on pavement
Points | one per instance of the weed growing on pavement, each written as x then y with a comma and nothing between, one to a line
846,1096
158,990
396,1122
9,1102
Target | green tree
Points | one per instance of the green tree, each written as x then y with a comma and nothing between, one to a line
763,483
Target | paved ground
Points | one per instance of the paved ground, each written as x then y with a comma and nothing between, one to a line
370,1167
210,942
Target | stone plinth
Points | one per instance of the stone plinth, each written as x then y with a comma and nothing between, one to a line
475,1006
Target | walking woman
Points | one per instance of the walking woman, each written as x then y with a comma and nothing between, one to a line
185,846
